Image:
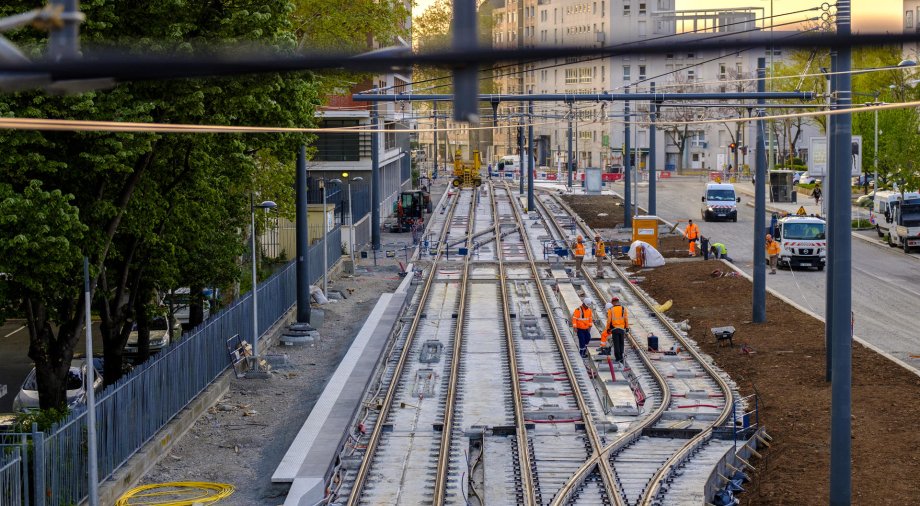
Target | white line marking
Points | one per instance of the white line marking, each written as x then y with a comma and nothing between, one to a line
15,331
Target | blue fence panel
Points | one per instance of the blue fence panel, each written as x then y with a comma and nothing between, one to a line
12,491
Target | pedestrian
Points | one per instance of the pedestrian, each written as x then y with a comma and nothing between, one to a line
600,253
490,171
816,194
774,224
692,233
617,327
772,253
582,321
578,252
719,251
704,247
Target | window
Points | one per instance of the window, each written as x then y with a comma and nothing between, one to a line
691,75
626,72
626,8
389,136
641,72
738,68
602,8
669,56
643,29
641,8
722,71
691,56
603,72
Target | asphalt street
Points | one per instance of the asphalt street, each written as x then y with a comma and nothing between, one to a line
885,286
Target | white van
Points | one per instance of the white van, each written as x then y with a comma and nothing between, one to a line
720,202
881,215
510,165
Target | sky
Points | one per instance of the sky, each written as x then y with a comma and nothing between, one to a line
868,15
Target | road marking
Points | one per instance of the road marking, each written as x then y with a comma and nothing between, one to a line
887,281
15,331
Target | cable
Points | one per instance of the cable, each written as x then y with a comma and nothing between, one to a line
177,493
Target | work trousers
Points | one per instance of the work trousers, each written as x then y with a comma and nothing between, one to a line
692,247
584,337
619,336
600,266
578,262
774,259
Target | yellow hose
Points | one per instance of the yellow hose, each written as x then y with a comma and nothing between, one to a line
177,493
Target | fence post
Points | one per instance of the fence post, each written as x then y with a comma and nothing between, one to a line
24,468
38,444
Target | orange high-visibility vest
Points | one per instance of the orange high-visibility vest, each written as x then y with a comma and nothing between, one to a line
599,250
692,231
579,249
581,318
772,248
617,318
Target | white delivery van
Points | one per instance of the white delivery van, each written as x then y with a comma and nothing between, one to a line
510,165
803,242
720,202
881,213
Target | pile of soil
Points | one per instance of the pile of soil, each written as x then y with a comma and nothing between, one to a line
787,372
588,207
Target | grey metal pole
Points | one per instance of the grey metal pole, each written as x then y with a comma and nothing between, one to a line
64,41
351,219
839,306
325,233
875,157
569,160
759,300
831,240
627,170
635,205
466,81
92,458
255,280
530,160
522,154
434,106
303,266
653,114
375,181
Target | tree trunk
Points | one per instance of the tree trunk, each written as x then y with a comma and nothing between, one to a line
143,328
51,355
195,308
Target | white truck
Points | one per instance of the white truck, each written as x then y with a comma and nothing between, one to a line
803,241
882,203
905,225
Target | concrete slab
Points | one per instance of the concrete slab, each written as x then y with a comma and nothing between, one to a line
313,450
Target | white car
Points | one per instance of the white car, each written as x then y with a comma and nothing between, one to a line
27,399
160,335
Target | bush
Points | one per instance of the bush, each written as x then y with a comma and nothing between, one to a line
807,186
861,224
45,418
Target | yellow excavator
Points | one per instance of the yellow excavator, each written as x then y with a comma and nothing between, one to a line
466,175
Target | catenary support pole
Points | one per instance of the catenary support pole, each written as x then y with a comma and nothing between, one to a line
434,108
839,307
92,457
521,154
466,79
831,240
653,115
530,159
569,159
759,299
375,180
627,170
303,266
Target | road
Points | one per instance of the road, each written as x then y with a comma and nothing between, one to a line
15,363
886,282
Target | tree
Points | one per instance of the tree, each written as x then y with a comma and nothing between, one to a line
119,186
675,121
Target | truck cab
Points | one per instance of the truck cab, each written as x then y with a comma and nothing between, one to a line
719,202
882,204
803,242
905,225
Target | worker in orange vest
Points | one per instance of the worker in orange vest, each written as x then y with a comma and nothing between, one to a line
578,252
773,249
600,253
582,321
692,233
617,326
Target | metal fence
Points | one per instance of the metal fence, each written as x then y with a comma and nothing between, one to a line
130,413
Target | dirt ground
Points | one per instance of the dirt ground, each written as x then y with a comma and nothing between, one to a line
787,371
589,207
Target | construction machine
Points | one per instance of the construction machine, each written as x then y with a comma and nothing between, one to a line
466,174
410,210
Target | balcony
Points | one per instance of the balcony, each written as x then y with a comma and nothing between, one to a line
342,147
698,144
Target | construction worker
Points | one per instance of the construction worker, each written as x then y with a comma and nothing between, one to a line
772,253
578,252
605,335
719,250
600,254
692,233
582,321
617,326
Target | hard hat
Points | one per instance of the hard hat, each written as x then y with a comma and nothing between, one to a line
608,305
580,238
597,237
588,301
615,299
769,237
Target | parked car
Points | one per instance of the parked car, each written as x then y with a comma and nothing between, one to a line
804,178
796,176
27,399
160,335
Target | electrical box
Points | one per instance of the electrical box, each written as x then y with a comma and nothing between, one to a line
645,229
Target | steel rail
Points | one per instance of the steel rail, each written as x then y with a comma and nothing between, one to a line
373,442
524,459
635,430
587,418
651,490
440,482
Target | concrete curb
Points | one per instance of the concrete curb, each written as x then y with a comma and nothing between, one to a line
132,471
818,317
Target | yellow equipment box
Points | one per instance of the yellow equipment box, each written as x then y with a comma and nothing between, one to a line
645,228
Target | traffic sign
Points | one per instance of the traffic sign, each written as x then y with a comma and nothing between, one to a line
801,211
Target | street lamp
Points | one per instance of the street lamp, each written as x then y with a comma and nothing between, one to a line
351,216
268,204
326,233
